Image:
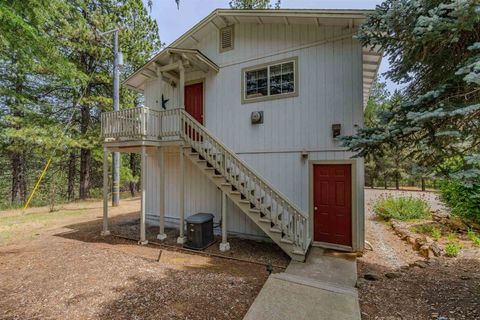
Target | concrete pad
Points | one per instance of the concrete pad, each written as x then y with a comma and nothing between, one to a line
281,300
322,287
329,266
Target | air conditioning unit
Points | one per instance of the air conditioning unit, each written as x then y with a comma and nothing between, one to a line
199,231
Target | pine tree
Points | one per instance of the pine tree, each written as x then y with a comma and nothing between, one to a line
253,4
434,48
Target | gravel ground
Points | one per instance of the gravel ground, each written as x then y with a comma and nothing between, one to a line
440,287
71,272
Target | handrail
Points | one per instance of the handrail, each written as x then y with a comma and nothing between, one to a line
279,207
145,123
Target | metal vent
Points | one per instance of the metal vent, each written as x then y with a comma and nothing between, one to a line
226,38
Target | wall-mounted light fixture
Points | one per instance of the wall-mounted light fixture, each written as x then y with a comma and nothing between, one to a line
336,129
304,154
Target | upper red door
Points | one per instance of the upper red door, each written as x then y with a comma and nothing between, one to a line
194,101
332,203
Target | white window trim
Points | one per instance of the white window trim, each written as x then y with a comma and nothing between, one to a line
268,65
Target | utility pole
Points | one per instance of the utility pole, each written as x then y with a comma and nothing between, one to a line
117,62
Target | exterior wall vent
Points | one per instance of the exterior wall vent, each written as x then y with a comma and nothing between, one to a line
226,38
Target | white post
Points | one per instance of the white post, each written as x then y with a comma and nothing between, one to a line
161,163
181,87
105,231
224,246
181,238
143,238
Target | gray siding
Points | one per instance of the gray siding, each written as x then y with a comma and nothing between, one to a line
330,91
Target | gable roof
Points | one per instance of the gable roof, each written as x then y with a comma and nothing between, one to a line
224,17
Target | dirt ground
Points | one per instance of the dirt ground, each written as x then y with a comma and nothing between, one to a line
441,287
56,266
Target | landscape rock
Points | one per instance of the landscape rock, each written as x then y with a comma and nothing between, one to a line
404,267
440,215
361,283
393,275
424,250
420,264
437,252
371,276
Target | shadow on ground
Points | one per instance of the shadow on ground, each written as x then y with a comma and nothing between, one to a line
127,225
183,295
440,287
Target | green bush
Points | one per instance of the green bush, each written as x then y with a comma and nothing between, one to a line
428,229
462,198
401,208
436,234
473,237
453,247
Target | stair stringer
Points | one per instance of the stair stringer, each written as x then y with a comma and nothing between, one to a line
244,205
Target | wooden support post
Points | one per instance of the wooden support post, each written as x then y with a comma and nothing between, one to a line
143,237
105,231
161,163
181,238
181,87
224,246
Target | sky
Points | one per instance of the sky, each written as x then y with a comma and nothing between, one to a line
173,22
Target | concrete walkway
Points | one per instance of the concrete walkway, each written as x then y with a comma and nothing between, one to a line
321,288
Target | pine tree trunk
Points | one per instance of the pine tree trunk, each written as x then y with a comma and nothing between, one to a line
18,158
72,172
133,168
85,162
19,183
423,184
397,182
85,154
385,181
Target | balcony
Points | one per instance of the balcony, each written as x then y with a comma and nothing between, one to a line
140,126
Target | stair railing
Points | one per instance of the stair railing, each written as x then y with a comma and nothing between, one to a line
285,216
174,124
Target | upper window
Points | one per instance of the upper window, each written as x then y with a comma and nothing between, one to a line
226,38
270,81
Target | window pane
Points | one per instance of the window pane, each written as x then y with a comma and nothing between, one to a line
287,67
256,83
275,70
275,85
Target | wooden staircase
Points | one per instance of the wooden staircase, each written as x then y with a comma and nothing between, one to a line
277,216
270,210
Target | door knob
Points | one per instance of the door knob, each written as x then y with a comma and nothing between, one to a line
315,208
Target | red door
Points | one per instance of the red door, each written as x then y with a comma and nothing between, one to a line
332,203
194,101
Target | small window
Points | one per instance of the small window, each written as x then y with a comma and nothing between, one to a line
270,81
226,38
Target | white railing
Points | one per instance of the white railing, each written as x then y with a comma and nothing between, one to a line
145,123
139,123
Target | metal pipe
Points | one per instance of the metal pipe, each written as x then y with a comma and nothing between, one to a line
116,107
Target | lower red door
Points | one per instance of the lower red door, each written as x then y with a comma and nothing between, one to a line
332,203
194,101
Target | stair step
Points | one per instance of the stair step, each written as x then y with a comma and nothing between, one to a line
275,230
287,241
264,220
244,201
226,184
299,252
235,193
254,211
